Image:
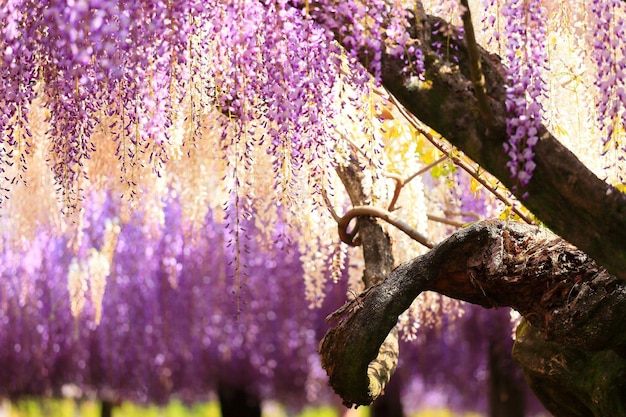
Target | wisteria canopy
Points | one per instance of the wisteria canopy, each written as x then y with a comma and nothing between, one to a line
273,116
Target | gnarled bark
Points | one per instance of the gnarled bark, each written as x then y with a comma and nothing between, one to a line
570,300
562,292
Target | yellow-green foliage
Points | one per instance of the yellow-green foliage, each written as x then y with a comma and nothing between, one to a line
71,408
443,413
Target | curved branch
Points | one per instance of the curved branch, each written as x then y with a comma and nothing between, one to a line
400,182
555,286
445,101
396,191
364,323
379,263
349,237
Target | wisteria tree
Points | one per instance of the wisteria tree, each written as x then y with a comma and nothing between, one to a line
272,110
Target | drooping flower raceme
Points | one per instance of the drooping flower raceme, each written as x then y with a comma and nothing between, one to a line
125,65
609,53
526,55
255,94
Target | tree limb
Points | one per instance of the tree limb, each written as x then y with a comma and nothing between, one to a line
556,287
571,382
378,258
563,193
349,238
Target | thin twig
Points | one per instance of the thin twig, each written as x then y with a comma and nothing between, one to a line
329,205
447,221
476,73
448,150
463,214
349,238
396,191
426,168
401,182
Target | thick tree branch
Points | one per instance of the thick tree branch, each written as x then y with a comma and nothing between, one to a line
567,297
571,382
555,286
564,193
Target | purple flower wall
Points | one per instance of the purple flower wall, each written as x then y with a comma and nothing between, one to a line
173,322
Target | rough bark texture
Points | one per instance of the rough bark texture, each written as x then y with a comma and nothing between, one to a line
574,306
564,294
375,241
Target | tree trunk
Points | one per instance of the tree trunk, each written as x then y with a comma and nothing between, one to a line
571,382
390,403
378,258
238,401
446,103
106,410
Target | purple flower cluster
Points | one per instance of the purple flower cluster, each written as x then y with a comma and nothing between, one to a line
491,22
125,67
359,25
171,325
366,29
92,56
451,36
399,43
609,53
18,76
271,72
527,59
